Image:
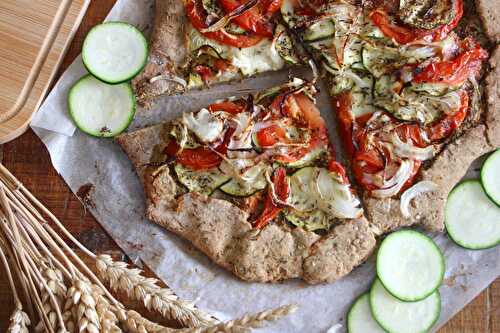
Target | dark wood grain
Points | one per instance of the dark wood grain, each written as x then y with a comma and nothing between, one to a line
28,159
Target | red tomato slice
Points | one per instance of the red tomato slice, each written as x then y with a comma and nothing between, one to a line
197,16
342,105
229,107
456,71
269,136
336,167
446,126
200,158
204,72
404,35
257,18
302,110
271,208
197,159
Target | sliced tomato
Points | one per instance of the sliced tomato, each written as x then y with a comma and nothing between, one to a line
337,168
342,105
200,158
403,34
204,72
271,135
272,208
307,7
309,114
255,19
197,17
304,113
448,124
454,72
232,107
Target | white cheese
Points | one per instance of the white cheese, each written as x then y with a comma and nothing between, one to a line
257,59
204,124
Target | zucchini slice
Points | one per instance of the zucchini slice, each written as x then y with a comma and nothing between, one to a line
101,109
360,319
396,316
114,52
490,176
319,30
299,196
308,158
284,45
200,181
471,218
378,62
252,180
410,265
310,221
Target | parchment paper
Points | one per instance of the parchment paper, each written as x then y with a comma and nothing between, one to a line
119,207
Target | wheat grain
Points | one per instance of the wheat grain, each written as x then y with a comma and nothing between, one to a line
146,290
80,300
55,282
108,319
19,321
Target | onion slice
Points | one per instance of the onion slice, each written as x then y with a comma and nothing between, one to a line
408,150
414,191
393,186
223,21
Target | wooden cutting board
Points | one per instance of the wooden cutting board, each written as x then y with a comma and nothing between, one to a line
34,36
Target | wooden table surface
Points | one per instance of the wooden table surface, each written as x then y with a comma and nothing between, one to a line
28,159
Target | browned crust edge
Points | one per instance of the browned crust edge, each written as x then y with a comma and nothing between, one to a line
168,51
221,231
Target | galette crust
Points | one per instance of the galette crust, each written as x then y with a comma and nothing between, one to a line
221,230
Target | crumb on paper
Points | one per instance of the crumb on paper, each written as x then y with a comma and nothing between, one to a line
84,193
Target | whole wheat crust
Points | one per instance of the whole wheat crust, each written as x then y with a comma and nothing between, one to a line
221,230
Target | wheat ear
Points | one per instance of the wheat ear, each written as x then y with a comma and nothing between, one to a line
55,283
19,321
247,322
83,305
163,300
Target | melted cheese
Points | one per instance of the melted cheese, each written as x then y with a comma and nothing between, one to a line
204,124
257,59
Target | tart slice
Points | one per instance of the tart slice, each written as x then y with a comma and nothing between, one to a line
196,43
406,92
254,184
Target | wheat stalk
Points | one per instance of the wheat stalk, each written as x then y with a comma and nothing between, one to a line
146,290
247,322
46,266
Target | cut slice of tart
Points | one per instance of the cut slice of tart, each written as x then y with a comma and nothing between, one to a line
406,96
196,43
254,184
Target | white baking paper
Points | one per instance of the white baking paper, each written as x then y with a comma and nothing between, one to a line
119,207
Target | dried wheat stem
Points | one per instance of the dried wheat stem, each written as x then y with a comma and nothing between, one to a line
247,322
19,321
33,268
49,235
19,187
17,270
55,286
37,231
146,290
